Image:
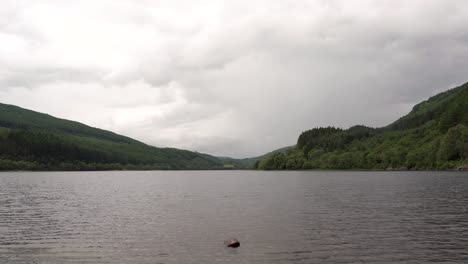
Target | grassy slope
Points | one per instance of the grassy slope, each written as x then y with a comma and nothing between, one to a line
42,141
434,135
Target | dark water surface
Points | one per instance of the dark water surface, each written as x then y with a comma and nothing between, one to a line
279,217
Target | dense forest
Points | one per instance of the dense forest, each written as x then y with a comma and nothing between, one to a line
34,141
433,136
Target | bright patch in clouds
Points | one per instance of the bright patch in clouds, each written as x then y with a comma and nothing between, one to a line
231,78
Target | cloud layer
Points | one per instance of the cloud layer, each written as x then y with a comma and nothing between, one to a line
232,78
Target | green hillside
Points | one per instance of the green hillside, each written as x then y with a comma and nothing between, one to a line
34,141
434,135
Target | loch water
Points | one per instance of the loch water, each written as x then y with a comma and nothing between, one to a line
278,217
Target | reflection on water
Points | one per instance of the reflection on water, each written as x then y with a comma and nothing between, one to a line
279,217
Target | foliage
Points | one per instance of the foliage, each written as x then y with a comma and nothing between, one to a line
35,141
434,135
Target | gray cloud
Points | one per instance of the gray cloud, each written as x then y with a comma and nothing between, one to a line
231,78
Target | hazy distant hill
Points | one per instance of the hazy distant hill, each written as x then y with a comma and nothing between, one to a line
249,163
434,135
30,140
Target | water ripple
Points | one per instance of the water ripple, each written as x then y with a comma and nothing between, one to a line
279,217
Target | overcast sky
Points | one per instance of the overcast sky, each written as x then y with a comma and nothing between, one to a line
233,78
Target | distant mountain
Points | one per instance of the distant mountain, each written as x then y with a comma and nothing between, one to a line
434,135
249,163
31,140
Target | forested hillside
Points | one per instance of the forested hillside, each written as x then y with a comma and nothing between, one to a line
434,135
34,141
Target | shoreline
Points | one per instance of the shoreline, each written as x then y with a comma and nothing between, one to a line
311,170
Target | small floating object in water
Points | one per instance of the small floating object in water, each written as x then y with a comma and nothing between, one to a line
234,243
